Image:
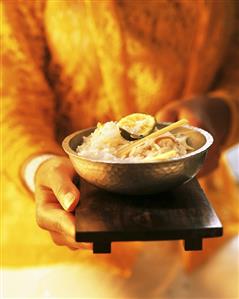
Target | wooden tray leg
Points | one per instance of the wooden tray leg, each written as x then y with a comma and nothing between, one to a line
193,243
101,247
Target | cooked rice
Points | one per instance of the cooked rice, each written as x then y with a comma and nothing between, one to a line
105,141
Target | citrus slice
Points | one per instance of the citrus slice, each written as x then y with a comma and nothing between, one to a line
136,125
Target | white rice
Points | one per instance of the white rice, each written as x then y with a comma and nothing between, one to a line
104,142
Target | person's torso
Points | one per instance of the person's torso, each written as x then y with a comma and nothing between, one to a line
143,59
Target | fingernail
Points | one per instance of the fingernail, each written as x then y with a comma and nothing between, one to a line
68,200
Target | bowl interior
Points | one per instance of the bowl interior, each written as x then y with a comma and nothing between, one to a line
195,137
78,138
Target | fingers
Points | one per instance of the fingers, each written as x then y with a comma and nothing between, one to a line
192,118
60,240
54,190
65,191
57,175
61,224
178,110
167,114
50,215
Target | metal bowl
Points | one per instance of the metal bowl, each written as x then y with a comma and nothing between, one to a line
141,178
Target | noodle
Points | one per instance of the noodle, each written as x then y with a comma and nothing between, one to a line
105,141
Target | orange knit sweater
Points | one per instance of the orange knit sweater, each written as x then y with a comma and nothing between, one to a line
68,64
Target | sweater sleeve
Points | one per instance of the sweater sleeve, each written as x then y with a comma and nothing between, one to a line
27,101
227,85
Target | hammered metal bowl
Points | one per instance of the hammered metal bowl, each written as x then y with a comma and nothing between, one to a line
141,178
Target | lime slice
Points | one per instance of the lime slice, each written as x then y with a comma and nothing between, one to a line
136,125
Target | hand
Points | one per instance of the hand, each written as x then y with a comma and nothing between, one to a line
56,197
211,114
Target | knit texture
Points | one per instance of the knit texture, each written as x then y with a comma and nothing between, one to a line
68,64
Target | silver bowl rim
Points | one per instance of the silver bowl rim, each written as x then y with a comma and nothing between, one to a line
208,143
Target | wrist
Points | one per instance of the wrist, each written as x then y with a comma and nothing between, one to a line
31,167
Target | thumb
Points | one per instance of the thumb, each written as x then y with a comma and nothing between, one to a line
66,192
167,114
193,119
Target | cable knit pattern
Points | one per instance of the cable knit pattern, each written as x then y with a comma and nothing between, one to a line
27,100
68,64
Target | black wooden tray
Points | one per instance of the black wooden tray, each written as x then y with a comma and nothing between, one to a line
182,214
